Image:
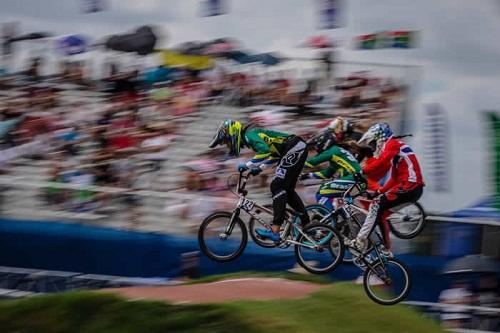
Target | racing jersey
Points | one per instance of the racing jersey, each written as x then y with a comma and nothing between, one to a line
269,146
341,161
401,160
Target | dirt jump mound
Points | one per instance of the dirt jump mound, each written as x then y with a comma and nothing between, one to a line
223,291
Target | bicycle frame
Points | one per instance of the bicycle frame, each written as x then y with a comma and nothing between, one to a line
250,207
349,209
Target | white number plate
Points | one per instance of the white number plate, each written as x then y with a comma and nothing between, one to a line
247,204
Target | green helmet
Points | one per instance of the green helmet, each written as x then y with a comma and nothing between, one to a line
229,133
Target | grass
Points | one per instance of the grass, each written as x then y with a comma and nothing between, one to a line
338,307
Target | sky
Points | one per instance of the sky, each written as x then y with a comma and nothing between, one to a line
458,58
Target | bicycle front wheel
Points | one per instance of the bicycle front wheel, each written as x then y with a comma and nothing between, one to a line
347,229
408,221
320,249
221,240
387,282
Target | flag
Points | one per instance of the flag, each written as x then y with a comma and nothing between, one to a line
403,39
494,123
387,39
436,143
93,6
213,8
329,11
366,42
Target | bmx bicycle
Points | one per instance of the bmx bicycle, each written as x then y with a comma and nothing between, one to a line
223,236
386,280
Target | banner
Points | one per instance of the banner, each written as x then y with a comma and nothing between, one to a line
494,122
328,13
213,8
387,40
436,152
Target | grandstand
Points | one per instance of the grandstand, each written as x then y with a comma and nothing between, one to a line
156,199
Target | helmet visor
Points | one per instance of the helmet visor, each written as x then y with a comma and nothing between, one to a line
218,139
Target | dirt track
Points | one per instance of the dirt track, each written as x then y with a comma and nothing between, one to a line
222,291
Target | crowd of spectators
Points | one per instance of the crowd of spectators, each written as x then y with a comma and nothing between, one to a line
482,291
107,140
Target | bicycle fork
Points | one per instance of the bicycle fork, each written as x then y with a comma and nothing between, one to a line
230,226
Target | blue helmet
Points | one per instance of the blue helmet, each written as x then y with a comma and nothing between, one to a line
377,133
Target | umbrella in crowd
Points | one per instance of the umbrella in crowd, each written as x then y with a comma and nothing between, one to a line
71,45
221,45
318,42
192,48
30,36
472,264
7,44
245,58
142,41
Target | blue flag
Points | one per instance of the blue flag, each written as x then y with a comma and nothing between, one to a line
329,14
213,8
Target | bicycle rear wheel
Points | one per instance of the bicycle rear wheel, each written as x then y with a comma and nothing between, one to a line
387,282
321,251
216,242
407,221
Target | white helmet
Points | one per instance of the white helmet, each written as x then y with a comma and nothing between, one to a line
340,127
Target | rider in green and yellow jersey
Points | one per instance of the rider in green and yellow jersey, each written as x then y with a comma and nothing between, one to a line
270,147
341,164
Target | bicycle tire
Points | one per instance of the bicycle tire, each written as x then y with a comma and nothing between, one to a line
205,249
368,273
303,263
347,259
416,231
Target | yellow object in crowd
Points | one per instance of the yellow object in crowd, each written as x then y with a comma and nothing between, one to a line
197,62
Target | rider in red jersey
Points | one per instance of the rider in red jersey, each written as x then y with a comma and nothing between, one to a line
404,185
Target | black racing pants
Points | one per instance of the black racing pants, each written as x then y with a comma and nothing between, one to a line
285,178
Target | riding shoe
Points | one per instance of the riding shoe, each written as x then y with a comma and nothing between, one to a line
268,234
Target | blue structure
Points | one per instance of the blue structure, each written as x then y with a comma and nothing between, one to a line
95,250
460,239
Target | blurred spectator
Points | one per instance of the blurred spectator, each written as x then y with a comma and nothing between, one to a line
83,199
33,70
55,195
154,149
458,294
487,296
